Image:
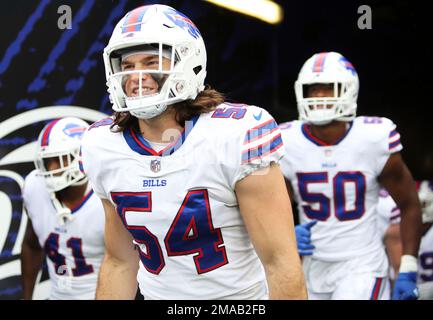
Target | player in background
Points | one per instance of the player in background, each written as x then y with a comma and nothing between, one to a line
193,194
388,222
390,226
335,163
66,219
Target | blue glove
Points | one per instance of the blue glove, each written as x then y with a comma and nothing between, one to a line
405,287
303,238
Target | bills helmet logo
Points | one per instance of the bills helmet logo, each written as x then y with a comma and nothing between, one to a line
183,22
346,63
73,130
155,165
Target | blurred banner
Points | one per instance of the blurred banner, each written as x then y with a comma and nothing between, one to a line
43,70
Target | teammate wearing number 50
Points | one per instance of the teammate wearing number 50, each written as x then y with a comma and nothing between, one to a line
335,164
66,219
193,194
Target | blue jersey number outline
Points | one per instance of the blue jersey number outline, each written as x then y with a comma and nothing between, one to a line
426,261
338,183
51,247
191,231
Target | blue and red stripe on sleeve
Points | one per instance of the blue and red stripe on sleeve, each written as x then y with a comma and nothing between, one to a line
260,131
268,147
394,143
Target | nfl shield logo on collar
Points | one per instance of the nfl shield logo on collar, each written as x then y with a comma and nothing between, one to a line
155,165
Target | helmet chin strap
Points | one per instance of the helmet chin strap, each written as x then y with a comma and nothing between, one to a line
149,114
80,182
321,123
325,122
63,213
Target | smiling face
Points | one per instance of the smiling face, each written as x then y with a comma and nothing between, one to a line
150,82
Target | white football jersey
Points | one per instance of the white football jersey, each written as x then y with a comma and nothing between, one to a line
337,184
74,251
179,204
388,212
425,260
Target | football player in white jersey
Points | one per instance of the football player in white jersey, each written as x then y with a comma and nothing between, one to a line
390,222
190,182
66,219
335,163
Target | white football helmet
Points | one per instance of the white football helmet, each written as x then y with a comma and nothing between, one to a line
61,139
166,33
327,68
425,194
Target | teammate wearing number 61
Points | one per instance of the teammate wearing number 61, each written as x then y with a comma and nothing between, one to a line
188,181
335,164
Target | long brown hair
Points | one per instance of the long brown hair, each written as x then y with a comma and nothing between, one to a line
206,101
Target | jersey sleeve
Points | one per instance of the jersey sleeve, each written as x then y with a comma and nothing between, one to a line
394,144
258,144
390,143
91,161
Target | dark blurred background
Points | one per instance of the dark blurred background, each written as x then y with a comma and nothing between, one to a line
249,60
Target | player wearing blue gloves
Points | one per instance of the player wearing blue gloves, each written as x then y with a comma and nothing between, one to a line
335,163
405,285
303,238
390,224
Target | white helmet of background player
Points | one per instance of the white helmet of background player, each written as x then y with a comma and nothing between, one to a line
425,194
327,68
162,31
61,139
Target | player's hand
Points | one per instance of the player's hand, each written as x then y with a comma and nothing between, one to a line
303,238
405,287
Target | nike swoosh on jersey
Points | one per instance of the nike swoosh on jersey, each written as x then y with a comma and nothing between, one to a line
259,116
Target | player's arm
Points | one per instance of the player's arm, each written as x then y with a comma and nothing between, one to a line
393,246
118,275
32,257
398,181
265,207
